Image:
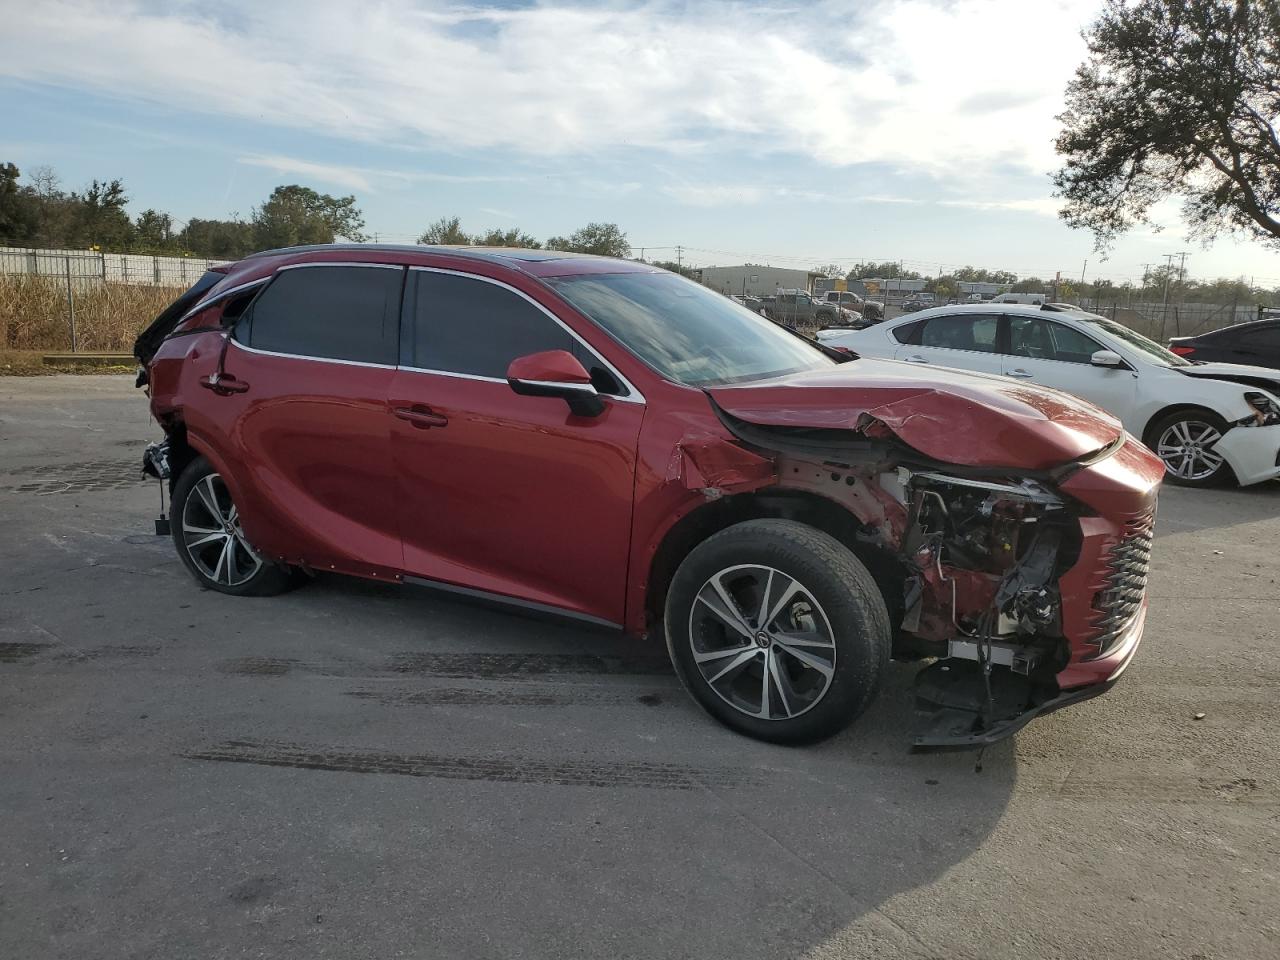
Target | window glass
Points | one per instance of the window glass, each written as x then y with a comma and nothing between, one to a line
1262,337
339,313
686,332
904,332
961,331
1133,340
1045,340
464,325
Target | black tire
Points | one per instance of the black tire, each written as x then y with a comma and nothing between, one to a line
1190,471
835,589
211,543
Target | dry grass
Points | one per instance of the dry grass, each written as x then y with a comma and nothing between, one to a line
33,313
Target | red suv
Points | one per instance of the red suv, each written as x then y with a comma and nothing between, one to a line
608,441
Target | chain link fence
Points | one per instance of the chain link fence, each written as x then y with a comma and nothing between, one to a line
85,300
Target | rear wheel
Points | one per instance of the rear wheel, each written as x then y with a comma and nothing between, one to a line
1184,441
777,630
205,524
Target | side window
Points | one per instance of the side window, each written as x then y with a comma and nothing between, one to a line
961,331
1262,337
464,325
904,333
1045,340
337,313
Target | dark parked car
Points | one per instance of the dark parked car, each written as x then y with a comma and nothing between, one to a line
912,304
607,441
1256,342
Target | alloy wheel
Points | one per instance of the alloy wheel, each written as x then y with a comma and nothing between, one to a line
762,642
212,535
1186,447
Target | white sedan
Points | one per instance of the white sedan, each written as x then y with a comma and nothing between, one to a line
1208,422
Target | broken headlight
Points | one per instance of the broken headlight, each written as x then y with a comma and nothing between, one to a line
1266,412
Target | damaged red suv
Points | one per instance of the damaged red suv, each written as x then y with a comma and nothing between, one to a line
609,441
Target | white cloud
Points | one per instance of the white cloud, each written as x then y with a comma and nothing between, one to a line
1044,206
349,177
562,80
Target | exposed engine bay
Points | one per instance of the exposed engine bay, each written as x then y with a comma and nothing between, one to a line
973,558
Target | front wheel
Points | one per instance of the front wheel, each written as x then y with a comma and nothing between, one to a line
777,630
205,524
1185,441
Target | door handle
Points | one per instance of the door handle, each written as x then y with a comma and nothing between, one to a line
224,384
424,418
1019,373
916,358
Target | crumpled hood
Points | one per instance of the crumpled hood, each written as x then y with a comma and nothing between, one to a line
970,419
1237,372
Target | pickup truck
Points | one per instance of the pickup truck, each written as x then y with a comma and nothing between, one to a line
798,308
871,311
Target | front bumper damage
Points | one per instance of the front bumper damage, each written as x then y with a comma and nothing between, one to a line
1025,589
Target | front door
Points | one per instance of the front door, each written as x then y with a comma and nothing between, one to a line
1055,355
501,493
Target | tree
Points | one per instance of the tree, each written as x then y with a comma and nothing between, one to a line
888,270
17,218
683,269
1029,285
100,217
982,275
1178,98
831,270
446,230
218,239
506,238
602,239
943,287
153,232
296,215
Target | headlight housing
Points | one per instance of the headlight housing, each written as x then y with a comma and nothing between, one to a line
1266,412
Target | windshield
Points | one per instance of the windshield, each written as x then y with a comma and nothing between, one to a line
686,332
1137,341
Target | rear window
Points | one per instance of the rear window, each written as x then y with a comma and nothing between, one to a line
905,332
331,313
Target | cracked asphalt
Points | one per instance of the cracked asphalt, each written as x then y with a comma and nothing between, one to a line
360,770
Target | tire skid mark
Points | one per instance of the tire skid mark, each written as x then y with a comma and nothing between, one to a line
470,696
505,665
462,666
15,651
507,769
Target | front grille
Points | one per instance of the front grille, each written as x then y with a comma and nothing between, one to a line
1125,582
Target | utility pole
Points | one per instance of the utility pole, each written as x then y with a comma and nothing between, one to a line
1164,313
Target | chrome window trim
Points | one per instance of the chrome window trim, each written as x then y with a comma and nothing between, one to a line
299,356
302,356
633,396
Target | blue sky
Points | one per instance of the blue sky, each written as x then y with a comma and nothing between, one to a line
794,134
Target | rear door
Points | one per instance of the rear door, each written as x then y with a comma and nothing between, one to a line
1056,355
966,340
500,493
307,440
1258,345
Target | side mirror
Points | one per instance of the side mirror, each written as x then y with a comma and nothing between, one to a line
1107,358
556,373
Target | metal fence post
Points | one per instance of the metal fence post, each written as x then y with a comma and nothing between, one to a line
71,305
155,269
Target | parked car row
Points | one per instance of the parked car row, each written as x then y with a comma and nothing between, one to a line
1209,422
605,440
